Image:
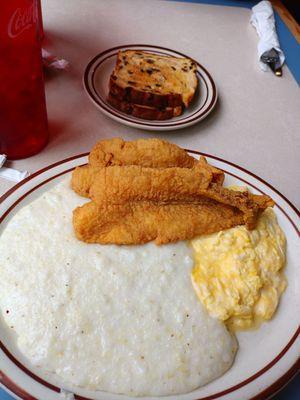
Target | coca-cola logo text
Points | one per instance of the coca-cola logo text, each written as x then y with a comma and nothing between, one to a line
21,20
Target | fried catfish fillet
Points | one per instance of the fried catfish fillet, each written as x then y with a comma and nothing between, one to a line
118,185
84,177
217,175
143,221
138,223
155,153
152,190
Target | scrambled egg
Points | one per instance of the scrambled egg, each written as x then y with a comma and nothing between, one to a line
238,273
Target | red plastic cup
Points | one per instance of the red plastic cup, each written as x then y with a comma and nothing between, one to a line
23,116
40,19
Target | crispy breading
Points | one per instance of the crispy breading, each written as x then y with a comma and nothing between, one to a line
250,205
217,175
155,153
118,185
137,223
143,221
152,190
83,177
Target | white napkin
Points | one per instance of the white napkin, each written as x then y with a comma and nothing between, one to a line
51,61
264,22
2,159
10,173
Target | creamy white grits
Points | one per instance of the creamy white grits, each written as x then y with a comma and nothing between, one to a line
122,319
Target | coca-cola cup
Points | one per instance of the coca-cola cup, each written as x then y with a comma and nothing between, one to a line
23,116
40,19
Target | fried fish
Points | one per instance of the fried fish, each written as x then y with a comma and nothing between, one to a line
138,223
143,221
121,185
155,153
118,185
153,190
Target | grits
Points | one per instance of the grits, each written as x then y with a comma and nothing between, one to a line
115,318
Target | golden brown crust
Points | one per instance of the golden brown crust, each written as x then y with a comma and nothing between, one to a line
218,175
156,153
82,179
153,153
196,178
152,190
244,201
122,184
144,112
142,222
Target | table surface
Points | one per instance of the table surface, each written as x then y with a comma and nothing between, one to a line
255,123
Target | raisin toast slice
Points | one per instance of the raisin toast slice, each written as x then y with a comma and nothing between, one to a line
142,111
153,80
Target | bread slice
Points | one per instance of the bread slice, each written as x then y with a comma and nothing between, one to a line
153,80
142,111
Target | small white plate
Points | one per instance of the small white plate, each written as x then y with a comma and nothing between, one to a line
96,80
267,358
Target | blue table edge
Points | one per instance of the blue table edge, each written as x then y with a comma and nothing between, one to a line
288,42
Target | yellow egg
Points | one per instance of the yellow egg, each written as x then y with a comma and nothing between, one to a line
238,273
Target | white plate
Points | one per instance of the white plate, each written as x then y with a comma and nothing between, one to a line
267,358
96,79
